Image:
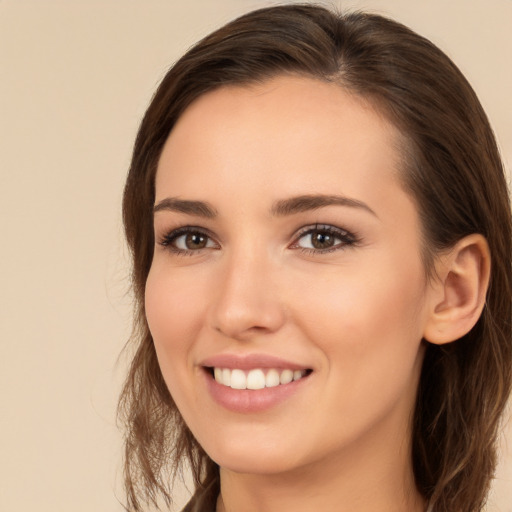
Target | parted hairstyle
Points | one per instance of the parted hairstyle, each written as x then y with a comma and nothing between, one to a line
451,167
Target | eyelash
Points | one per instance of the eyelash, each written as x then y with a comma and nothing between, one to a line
170,238
345,237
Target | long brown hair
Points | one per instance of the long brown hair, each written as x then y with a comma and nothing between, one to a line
451,167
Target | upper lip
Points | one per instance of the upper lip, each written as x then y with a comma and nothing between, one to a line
250,361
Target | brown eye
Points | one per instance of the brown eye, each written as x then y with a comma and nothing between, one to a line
322,240
195,241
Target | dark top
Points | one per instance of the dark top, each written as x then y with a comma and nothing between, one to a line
204,500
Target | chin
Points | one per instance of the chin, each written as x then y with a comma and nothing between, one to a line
254,465
251,457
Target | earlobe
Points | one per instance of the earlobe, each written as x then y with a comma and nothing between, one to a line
459,290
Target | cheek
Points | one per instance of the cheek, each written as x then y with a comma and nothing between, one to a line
369,332
174,303
173,311
355,302
368,324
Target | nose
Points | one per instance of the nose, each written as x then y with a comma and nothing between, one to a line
247,302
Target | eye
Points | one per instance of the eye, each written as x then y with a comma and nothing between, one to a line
322,238
188,240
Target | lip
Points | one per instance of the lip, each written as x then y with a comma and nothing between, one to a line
250,361
247,401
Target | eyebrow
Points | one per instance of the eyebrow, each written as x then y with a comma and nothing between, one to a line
197,208
280,208
305,203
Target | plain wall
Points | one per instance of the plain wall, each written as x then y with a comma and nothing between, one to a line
75,78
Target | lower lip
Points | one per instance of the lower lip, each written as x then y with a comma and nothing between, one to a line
252,400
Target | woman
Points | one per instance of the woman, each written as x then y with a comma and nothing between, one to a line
321,239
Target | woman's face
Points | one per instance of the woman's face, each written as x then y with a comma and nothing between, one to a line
286,248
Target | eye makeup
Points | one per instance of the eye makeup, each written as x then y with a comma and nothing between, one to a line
313,239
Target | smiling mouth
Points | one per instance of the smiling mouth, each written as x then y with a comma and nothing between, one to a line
257,378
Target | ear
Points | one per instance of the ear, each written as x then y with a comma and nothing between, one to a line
457,294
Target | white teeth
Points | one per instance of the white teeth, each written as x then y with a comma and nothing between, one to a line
286,376
226,377
272,379
238,379
256,378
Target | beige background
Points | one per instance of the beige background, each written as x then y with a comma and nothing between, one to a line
75,78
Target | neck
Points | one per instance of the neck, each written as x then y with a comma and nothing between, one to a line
305,492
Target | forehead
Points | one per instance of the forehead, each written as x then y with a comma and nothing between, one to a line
299,131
